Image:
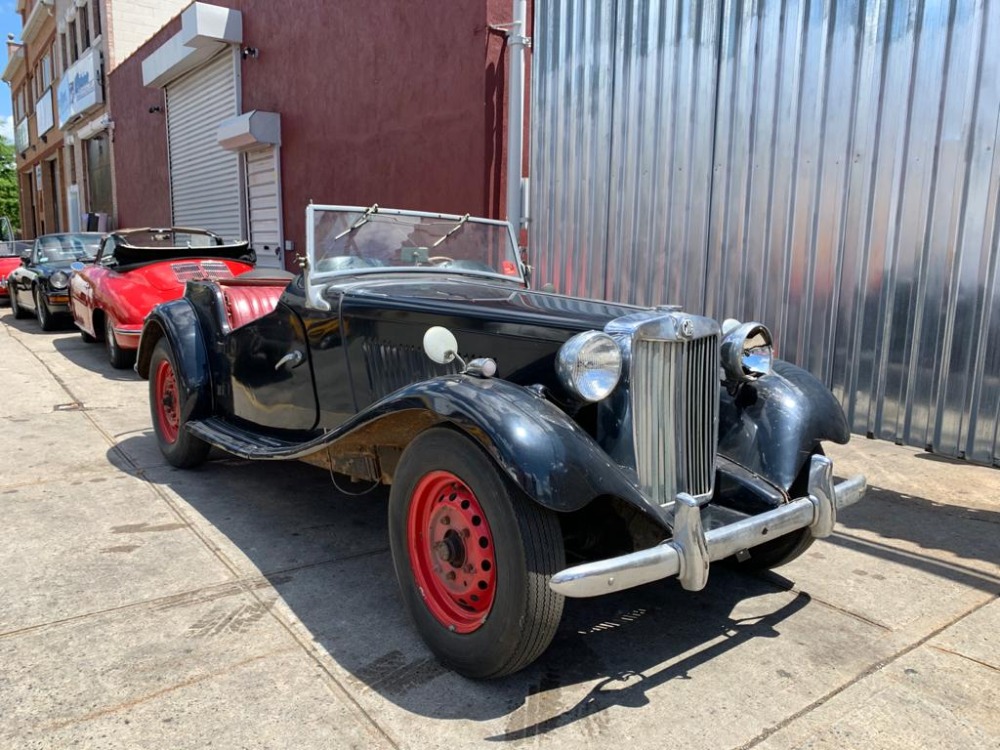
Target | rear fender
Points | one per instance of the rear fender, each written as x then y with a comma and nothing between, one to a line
772,425
178,323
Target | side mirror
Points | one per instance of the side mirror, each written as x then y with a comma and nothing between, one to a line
440,345
77,265
25,257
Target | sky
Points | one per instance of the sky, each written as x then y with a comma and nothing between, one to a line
10,23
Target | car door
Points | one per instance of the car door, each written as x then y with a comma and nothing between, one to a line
26,282
81,287
270,372
16,278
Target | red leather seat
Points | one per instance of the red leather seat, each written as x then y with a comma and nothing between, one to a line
247,302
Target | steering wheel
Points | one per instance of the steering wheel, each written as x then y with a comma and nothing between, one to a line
438,260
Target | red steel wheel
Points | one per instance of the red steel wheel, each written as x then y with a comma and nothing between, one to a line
451,551
178,445
166,399
473,556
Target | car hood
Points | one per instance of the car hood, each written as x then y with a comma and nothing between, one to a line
47,269
487,300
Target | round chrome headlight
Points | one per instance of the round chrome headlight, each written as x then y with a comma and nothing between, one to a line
589,365
59,280
747,352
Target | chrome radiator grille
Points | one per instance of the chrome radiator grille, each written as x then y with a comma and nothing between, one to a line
675,405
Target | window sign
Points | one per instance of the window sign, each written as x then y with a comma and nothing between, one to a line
80,87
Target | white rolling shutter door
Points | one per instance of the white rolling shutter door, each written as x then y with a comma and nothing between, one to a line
265,206
204,177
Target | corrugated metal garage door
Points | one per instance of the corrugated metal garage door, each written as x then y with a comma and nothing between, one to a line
204,177
264,203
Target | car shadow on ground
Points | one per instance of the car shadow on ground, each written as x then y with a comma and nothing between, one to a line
326,554
90,356
887,522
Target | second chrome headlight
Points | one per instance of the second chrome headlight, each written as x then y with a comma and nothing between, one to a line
747,352
59,280
589,365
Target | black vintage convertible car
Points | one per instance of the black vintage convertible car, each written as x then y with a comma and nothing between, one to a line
41,283
537,446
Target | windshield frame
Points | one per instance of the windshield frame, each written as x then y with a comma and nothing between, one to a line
316,281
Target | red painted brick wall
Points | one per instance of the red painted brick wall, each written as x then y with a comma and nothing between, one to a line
402,104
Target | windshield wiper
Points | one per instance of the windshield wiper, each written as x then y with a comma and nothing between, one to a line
451,231
361,221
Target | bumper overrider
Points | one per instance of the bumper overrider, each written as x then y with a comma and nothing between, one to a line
688,554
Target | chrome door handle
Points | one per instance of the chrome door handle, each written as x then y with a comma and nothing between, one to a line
293,359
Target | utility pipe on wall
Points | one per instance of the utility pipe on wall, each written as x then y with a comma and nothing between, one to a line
517,40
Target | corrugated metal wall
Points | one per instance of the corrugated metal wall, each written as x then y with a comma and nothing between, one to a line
829,168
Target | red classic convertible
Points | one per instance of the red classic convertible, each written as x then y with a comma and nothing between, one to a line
135,270
10,259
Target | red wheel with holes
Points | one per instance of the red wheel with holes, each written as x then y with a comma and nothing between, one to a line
473,556
178,446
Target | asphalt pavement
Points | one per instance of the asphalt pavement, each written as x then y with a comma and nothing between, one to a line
252,605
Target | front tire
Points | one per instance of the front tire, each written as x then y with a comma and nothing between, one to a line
42,311
119,358
179,447
473,556
784,549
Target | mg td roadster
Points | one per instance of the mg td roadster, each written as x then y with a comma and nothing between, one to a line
536,446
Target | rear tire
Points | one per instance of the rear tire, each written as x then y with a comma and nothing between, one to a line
119,358
473,556
179,447
19,312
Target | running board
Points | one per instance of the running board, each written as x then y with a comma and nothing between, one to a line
248,444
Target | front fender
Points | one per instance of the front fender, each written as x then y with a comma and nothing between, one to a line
544,452
178,323
772,425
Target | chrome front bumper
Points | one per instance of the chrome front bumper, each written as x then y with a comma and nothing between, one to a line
689,553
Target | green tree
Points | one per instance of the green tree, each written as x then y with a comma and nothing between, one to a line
10,203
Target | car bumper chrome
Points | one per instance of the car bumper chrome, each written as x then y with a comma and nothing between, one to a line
128,338
692,549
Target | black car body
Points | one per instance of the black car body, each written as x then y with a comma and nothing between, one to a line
537,445
41,283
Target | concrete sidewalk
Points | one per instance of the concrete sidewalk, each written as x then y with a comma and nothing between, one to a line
252,605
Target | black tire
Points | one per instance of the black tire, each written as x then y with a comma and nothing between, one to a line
87,338
19,312
525,545
119,358
42,312
784,549
179,447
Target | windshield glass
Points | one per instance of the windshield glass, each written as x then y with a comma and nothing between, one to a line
369,240
171,237
53,248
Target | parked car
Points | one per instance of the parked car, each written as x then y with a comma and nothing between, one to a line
10,258
536,446
135,270
40,284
